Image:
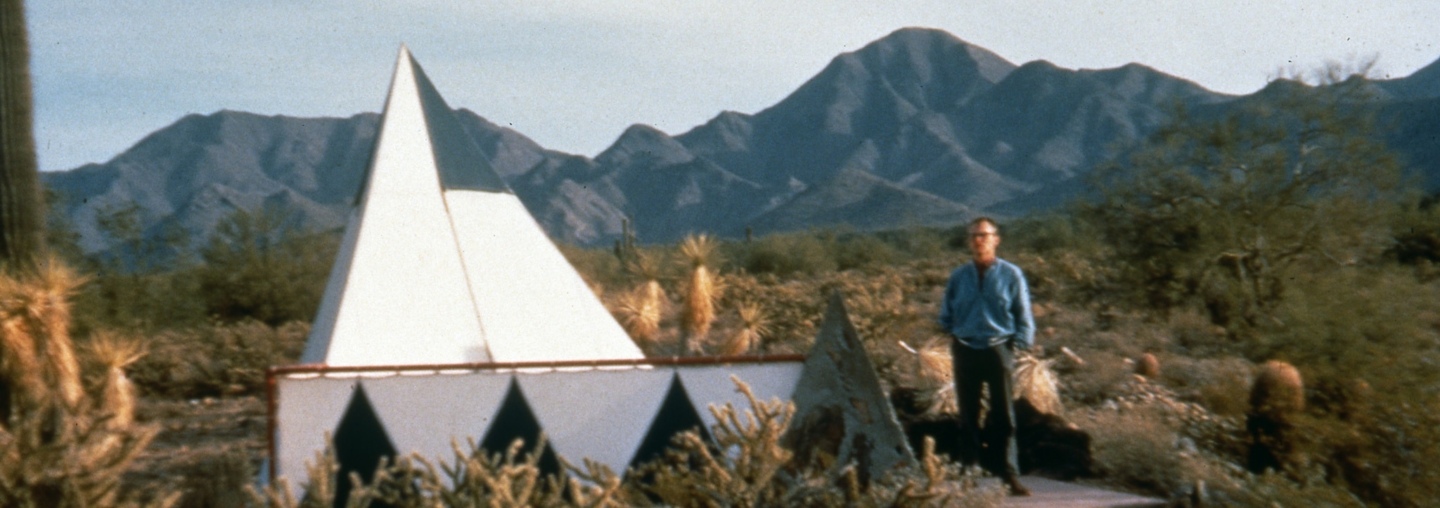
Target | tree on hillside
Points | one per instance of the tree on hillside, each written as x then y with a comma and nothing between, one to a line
257,266
22,219
1223,209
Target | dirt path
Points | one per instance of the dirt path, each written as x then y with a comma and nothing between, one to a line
1053,494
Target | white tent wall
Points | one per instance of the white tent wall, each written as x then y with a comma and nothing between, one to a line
597,414
415,408
711,385
533,304
586,412
399,296
306,409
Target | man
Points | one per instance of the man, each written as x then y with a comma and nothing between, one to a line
987,310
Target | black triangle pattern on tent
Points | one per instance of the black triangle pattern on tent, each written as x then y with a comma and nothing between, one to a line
677,414
360,443
514,420
458,158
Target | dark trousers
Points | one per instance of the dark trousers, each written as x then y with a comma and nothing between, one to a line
993,445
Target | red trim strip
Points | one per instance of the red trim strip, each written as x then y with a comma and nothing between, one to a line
315,368
272,424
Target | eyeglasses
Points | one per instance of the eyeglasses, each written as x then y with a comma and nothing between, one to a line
983,235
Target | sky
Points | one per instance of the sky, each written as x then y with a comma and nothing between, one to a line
572,75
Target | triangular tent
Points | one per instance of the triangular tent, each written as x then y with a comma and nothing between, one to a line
841,411
442,264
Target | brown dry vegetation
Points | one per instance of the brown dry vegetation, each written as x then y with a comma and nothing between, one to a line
1361,336
1158,436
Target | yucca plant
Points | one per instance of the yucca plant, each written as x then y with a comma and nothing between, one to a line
640,315
641,310
754,325
702,291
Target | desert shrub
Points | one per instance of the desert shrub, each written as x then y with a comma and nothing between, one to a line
916,243
1222,385
1353,321
858,250
1097,381
221,359
1048,234
258,266
1417,234
786,255
219,482
1223,211
1193,334
1137,450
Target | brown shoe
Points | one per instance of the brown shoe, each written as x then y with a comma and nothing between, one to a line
1016,488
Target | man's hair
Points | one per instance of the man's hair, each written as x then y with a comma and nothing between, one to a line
983,220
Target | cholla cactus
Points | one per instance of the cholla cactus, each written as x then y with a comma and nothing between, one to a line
38,358
112,353
60,446
742,466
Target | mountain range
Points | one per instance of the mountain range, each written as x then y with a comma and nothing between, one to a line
917,128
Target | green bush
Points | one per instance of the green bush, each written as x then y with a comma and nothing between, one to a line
787,255
258,267
221,359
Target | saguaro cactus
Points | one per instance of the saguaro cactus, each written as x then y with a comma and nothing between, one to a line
21,215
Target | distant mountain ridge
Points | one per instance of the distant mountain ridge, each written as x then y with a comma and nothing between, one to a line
917,128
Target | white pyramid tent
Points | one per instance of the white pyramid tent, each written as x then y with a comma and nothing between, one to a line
442,264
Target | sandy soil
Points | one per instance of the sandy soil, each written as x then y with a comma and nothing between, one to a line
200,442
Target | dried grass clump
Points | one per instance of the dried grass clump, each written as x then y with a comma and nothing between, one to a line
216,360
1036,382
1137,450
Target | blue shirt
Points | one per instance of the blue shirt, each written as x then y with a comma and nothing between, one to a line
985,316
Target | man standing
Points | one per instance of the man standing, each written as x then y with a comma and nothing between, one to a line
987,310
